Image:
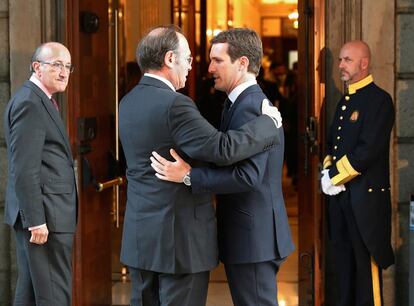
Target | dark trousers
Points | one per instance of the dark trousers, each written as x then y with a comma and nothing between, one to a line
353,262
44,271
253,284
160,289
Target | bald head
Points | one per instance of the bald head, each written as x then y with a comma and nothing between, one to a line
360,47
354,60
49,50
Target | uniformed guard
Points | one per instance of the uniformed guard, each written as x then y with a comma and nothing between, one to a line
356,178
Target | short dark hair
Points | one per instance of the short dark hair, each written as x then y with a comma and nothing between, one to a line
156,43
242,42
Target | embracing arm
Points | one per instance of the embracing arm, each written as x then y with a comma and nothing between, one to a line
199,140
243,176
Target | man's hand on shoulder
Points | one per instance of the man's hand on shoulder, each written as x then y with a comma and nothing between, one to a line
272,112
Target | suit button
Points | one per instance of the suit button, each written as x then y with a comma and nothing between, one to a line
334,158
339,137
343,107
382,189
342,117
370,190
335,147
347,98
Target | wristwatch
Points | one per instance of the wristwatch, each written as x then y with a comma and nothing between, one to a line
187,179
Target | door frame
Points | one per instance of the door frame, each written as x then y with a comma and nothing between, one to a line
311,41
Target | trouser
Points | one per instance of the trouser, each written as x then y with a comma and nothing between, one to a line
161,289
253,284
44,271
359,278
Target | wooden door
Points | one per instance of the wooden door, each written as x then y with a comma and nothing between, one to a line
91,130
311,94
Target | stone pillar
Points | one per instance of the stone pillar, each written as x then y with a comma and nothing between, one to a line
404,141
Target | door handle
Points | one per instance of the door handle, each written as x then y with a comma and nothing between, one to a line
111,183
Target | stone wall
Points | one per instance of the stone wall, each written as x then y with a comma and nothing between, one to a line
404,142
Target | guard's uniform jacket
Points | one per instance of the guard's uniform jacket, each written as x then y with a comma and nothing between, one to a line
360,217
358,156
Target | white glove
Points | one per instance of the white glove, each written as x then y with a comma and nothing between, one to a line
327,187
272,112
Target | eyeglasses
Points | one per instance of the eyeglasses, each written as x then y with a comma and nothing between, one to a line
60,66
189,60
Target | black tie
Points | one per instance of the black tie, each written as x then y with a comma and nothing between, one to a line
226,109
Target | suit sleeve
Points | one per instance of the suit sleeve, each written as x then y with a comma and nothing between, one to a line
373,140
244,176
27,136
200,140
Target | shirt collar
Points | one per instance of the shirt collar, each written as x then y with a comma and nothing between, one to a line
39,84
352,88
234,94
161,79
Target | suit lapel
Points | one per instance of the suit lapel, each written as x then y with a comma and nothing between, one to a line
54,115
226,118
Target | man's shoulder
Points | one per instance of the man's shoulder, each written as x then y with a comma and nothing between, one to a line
374,89
26,94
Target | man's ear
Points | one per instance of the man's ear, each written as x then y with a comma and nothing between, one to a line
169,59
244,62
34,66
364,63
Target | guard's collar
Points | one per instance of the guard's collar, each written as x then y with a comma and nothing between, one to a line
352,88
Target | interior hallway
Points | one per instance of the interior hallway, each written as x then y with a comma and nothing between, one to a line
218,294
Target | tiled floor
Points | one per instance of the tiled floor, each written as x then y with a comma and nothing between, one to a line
219,295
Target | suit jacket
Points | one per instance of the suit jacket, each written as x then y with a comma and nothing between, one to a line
358,156
168,229
251,214
41,185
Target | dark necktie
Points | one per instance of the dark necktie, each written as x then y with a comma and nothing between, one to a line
54,102
226,108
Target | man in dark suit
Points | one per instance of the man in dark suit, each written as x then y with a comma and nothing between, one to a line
41,199
253,231
169,237
356,177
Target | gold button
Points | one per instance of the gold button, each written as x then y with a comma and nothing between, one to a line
382,189
339,128
335,147
343,107
334,158
370,190
339,137
347,98
342,117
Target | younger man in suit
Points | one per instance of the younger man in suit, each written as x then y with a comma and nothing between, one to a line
41,191
253,231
